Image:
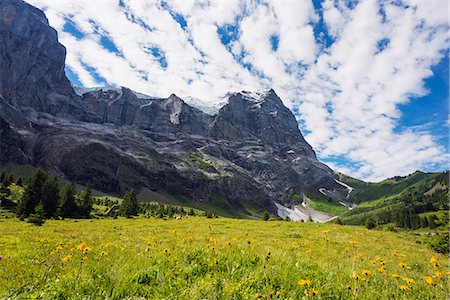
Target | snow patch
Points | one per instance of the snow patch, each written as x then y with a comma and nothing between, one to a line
323,191
80,91
208,107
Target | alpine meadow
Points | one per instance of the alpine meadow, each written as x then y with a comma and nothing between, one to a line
224,149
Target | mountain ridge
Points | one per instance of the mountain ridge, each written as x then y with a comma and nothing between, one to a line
251,153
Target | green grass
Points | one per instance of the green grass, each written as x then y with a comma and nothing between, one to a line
331,208
199,258
201,162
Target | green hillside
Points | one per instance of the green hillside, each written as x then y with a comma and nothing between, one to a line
410,202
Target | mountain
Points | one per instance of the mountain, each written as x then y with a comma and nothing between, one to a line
239,161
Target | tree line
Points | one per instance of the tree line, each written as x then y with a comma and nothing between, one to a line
42,198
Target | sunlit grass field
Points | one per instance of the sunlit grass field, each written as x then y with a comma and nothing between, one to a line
199,258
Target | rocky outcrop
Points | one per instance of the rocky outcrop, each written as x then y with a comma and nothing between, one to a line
249,155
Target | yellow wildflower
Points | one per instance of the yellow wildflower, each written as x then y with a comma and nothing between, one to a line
53,253
359,255
401,254
167,250
258,295
408,280
59,248
434,261
107,245
325,231
357,277
381,269
402,264
103,253
438,274
314,292
83,247
403,287
394,275
278,294
366,272
394,254
85,258
428,279
66,258
304,282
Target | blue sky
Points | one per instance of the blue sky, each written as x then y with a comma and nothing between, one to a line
367,80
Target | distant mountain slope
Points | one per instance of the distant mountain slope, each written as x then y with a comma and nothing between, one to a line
402,201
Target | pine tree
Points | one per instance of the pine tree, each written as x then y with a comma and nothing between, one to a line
68,206
130,205
85,202
37,217
50,197
33,194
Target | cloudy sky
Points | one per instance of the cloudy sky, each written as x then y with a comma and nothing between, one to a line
367,80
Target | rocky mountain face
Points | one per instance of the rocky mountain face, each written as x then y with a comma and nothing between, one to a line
249,155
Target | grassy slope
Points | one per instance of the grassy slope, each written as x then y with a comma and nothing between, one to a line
372,191
380,200
209,259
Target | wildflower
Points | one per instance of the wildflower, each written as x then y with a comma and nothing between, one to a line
353,242
357,277
278,294
167,250
107,245
394,254
359,255
408,280
59,248
403,287
72,250
53,253
434,261
402,264
394,275
212,240
83,247
401,254
366,272
258,295
103,253
314,292
438,274
66,258
271,294
428,279
42,240
304,282
381,269
85,258
325,231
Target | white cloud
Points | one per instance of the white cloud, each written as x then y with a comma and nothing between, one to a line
348,94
